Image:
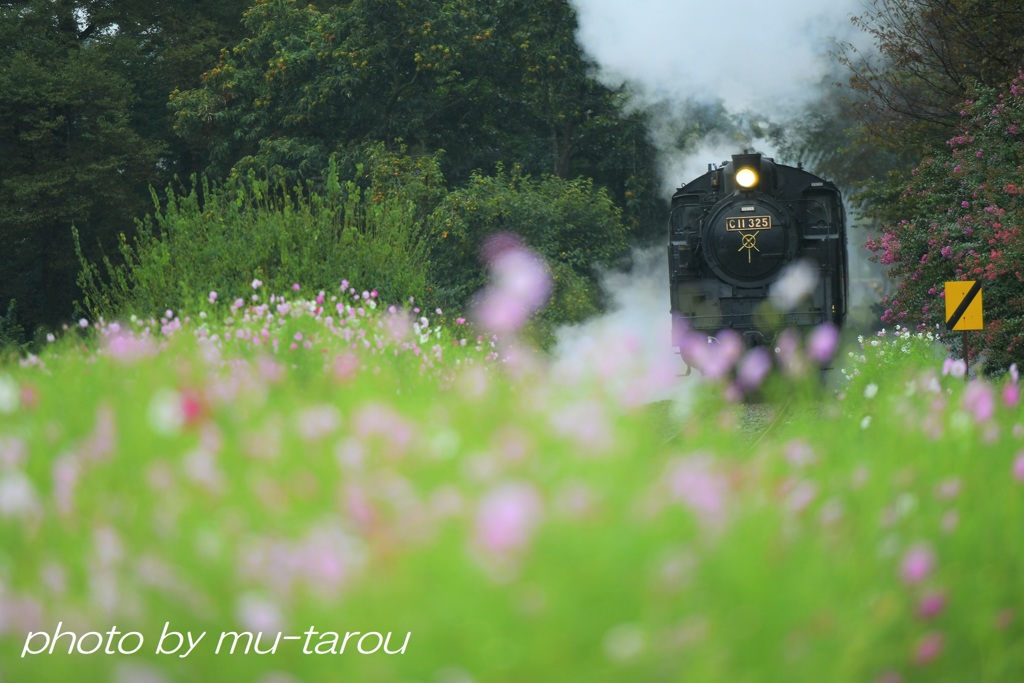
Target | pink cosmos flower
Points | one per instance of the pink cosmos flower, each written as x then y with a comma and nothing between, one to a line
753,368
955,368
979,401
507,517
714,357
258,614
822,344
520,285
65,474
889,677
931,605
1011,395
917,564
1018,467
694,482
126,347
384,422
928,648
13,451
586,423
948,489
800,453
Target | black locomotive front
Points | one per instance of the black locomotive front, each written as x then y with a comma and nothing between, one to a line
735,230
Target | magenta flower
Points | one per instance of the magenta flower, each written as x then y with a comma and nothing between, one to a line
13,452
722,356
787,348
800,453
948,489
928,648
127,347
507,517
979,401
931,605
753,368
694,482
917,564
954,368
520,285
889,677
713,356
822,344
1018,467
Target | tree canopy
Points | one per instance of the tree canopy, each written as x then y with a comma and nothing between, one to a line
84,129
930,54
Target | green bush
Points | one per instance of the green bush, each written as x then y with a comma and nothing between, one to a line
219,238
573,225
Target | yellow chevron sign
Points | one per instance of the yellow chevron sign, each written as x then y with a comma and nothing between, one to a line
963,306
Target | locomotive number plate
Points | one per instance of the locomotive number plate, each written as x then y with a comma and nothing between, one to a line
748,223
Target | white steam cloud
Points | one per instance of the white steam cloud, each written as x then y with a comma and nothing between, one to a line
629,348
764,61
750,54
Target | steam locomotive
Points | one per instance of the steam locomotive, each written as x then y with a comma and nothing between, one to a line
736,231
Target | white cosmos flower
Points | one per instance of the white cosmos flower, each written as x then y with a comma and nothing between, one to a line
10,394
797,281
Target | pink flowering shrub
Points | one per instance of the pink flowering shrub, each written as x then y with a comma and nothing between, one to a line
963,216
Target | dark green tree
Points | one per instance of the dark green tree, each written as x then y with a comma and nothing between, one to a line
85,129
484,81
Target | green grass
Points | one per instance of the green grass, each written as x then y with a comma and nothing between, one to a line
522,527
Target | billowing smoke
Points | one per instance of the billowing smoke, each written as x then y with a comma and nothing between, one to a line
763,62
750,54
629,348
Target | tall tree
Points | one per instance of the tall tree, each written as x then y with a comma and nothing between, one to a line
485,81
931,53
84,129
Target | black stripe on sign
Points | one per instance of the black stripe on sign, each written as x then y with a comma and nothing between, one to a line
962,308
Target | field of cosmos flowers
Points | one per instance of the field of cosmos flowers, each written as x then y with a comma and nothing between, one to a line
320,487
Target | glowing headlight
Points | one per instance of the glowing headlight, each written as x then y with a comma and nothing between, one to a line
746,177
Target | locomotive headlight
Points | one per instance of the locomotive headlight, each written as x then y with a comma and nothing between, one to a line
746,178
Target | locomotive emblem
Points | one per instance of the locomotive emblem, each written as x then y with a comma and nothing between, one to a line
749,243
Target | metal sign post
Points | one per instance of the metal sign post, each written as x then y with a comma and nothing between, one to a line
964,312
